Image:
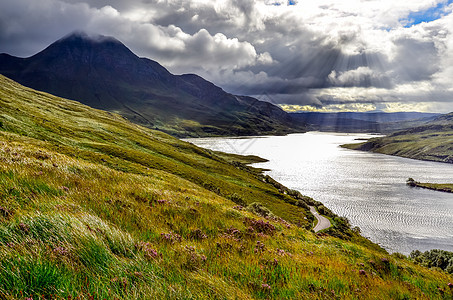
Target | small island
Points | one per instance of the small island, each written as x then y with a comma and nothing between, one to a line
445,187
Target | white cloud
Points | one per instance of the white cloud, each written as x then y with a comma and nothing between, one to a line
362,76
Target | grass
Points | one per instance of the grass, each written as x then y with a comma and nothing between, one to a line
94,207
144,92
432,142
442,187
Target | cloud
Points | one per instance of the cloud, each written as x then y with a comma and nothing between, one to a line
320,53
362,76
416,60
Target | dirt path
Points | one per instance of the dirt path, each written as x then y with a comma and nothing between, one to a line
323,222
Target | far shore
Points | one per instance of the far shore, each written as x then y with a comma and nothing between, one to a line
445,187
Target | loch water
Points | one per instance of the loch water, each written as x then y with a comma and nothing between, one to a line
368,188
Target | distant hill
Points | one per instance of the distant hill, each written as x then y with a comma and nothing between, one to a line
361,121
431,141
103,73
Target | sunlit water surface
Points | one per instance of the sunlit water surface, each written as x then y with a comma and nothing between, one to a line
367,188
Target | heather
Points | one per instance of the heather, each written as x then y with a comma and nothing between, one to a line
94,207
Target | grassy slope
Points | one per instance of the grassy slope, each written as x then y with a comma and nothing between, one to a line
80,67
441,187
433,142
94,206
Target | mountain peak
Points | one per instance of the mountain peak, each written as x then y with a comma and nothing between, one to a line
102,72
80,35
86,48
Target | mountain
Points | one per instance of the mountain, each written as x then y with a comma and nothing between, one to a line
103,73
361,121
431,141
95,207
336,122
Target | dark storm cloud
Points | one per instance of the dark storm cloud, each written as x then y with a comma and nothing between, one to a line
29,26
415,60
299,99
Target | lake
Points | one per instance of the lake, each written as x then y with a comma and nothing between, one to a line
368,188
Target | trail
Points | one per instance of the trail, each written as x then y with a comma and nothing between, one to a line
323,222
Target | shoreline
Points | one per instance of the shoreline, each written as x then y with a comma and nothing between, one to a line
363,147
258,149
440,187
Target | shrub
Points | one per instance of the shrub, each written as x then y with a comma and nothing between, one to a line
356,230
211,187
260,210
197,234
237,199
194,260
434,259
302,204
411,182
171,237
260,226
325,211
148,251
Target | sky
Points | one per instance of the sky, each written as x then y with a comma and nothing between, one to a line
320,55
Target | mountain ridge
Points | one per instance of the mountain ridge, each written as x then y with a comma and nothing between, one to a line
103,73
373,122
431,141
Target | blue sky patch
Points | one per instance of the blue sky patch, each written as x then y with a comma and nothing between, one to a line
428,15
290,2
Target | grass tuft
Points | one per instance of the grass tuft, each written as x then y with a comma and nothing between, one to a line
94,207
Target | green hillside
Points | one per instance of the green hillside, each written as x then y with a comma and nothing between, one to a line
441,187
103,73
95,207
432,141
